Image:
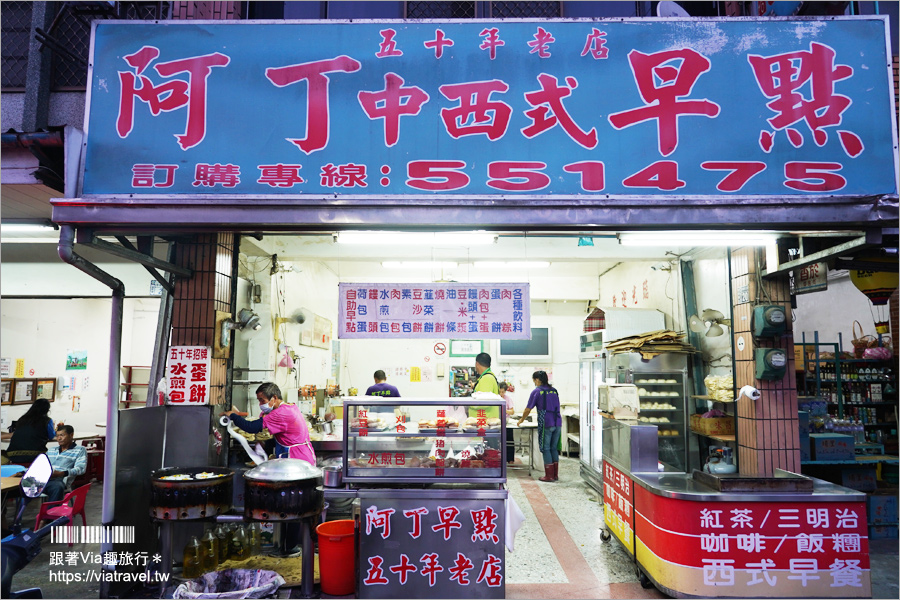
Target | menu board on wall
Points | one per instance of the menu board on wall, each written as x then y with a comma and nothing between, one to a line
435,310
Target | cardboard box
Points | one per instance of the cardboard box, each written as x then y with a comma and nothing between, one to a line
832,446
861,479
883,507
713,426
882,531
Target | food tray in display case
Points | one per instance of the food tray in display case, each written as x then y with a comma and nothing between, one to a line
428,440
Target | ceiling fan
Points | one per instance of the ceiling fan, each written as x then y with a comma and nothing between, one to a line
709,322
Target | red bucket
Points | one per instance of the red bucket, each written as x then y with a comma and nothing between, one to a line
337,557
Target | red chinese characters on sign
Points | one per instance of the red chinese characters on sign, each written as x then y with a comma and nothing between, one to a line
663,79
781,77
454,567
170,95
280,175
541,43
388,46
595,44
187,375
438,43
477,113
379,519
145,175
349,175
315,74
213,175
491,41
391,103
548,101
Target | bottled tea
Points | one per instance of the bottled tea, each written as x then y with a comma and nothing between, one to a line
240,545
209,544
191,564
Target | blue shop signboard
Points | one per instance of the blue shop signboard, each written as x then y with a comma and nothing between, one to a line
511,109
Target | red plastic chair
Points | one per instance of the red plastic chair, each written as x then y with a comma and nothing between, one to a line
55,510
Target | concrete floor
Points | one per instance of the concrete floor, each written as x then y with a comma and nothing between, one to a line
558,552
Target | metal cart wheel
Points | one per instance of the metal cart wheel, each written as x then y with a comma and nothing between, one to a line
645,581
604,535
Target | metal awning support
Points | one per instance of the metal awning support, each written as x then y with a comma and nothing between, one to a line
131,253
869,239
66,250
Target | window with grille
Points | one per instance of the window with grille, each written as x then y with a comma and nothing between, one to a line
498,10
525,10
16,28
440,10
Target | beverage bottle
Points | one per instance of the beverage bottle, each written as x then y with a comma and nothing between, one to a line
224,537
255,536
240,548
209,544
191,563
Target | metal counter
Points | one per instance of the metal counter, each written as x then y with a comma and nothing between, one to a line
692,540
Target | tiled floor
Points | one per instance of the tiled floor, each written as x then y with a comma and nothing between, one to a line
558,551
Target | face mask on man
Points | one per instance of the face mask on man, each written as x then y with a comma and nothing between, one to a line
265,409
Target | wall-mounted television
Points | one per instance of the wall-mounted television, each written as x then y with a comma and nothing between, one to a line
539,349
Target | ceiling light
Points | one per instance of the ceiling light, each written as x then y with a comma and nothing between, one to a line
407,238
25,228
697,238
520,264
418,264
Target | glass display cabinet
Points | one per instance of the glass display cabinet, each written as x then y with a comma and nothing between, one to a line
419,440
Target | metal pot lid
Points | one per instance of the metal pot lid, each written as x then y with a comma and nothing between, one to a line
284,469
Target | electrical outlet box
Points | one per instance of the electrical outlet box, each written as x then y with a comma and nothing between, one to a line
769,320
771,363
440,370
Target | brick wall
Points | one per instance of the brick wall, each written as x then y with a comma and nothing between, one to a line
767,429
197,299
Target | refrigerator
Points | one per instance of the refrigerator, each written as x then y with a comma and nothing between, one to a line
591,373
664,390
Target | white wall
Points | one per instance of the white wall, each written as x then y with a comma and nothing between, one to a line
644,287
711,288
42,331
832,312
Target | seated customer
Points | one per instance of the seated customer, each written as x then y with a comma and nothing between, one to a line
68,460
33,430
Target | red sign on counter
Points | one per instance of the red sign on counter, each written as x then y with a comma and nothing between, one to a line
618,505
760,549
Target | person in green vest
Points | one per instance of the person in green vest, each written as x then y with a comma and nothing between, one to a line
487,382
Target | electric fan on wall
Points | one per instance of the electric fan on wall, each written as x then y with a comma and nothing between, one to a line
709,323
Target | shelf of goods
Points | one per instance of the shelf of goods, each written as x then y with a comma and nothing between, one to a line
849,427
861,394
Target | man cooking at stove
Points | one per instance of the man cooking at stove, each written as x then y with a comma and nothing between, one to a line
284,421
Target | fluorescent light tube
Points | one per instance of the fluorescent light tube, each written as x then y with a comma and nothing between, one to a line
418,264
519,264
409,238
697,238
25,228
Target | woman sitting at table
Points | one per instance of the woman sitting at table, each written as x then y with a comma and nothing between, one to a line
32,432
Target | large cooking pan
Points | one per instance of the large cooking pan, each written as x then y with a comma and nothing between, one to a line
283,489
180,499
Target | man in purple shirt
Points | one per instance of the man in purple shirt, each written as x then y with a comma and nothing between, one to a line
382,390
385,390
